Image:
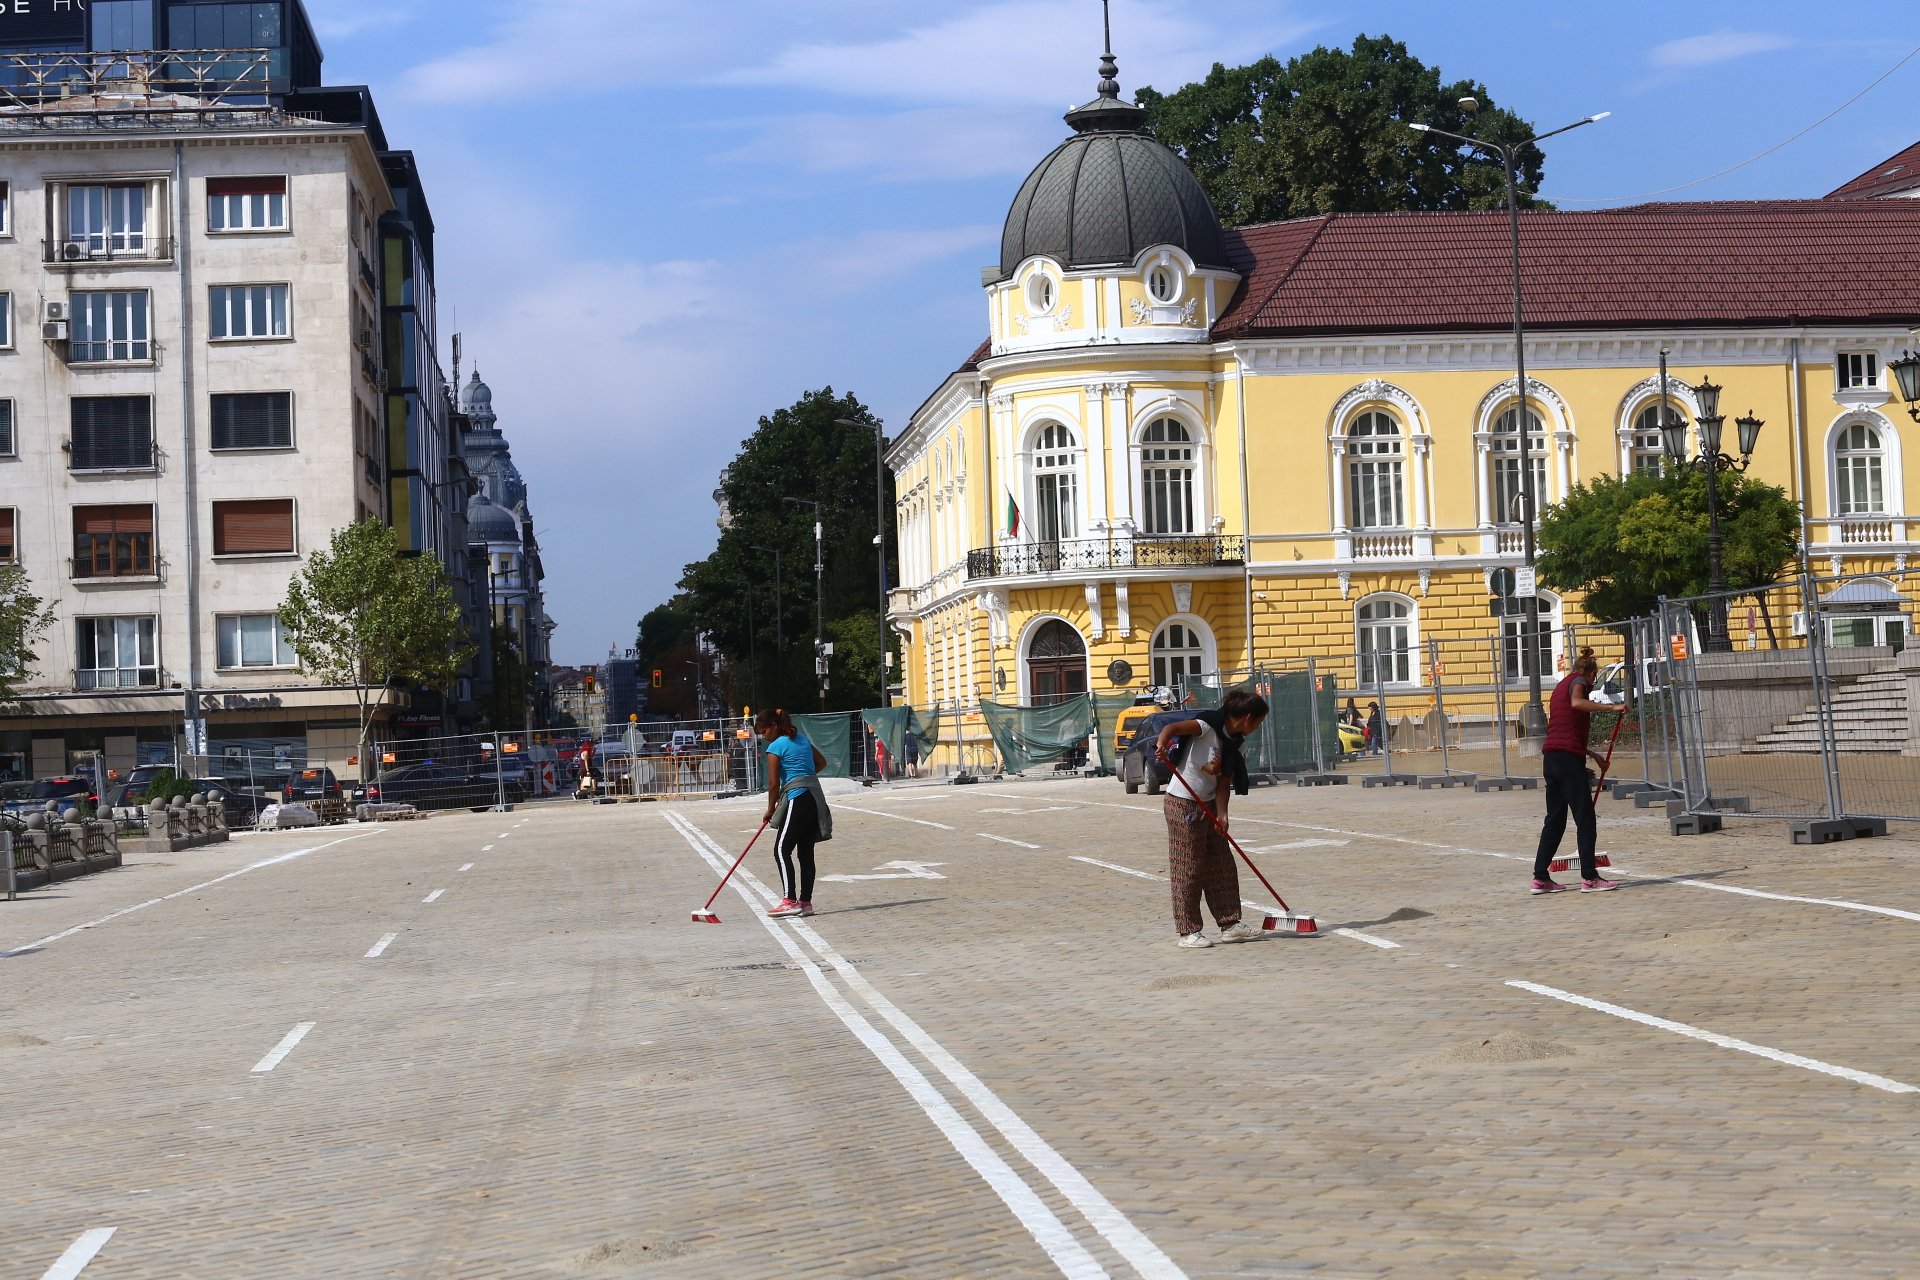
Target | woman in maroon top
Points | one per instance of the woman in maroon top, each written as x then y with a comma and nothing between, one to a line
1563,761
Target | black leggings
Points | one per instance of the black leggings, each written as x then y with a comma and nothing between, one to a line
797,836
1567,789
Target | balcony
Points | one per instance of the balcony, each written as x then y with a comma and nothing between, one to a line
1098,555
1382,546
118,555
107,249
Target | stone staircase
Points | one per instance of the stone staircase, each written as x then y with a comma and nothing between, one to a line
1869,717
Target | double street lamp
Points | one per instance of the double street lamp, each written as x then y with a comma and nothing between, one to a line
1711,422
1534,716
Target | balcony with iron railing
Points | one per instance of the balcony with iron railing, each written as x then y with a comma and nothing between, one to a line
106,249
1100,555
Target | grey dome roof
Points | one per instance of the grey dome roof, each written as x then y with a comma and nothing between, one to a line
1108,192
487,521
478,397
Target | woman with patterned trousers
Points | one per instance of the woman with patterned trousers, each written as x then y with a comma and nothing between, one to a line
1199,860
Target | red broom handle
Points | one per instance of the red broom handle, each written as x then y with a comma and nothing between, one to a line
736,864
1221,828
1608,762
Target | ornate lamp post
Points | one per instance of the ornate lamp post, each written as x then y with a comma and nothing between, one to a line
1713,462
1906,372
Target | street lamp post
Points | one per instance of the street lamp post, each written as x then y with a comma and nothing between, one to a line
1534,718
819,601
1710,460
879,540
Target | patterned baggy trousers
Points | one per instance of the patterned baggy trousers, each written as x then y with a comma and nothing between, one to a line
1199,862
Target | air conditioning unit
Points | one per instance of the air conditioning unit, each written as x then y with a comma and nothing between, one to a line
1799,623
366,340
73,251
53,331
53,310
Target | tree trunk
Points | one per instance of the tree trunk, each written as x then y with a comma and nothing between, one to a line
1773,636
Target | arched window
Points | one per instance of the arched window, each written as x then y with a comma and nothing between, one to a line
1055,516
1179,655
1166,478
1514,649
1649,448
1376,459
1504,461
1384,640
1859,458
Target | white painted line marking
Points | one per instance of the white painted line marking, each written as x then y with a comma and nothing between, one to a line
988,835
505,834
1298,844
898,871
898,817
430,897
485,847
79,1254
1725,1042
466,866
1114,866
192,888
284,1048
1041,1222
1369,939
1842,903
1052,808
386,940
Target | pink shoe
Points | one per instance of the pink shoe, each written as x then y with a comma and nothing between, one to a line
1549,886
806,908
787,907
1598,886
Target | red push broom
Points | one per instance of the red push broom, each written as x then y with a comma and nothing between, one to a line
1599,859
1286,922
706,914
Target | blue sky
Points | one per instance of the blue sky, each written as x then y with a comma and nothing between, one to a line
660,220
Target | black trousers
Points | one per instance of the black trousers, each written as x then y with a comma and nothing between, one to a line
798,835
1567,789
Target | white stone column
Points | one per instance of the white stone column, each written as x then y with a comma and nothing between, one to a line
1118,423
1099,452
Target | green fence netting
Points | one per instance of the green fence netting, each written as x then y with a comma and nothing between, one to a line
1028,735
1106,713
832,733
889,725
926,731
1285,741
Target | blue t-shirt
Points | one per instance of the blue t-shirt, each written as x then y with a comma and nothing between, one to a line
796,761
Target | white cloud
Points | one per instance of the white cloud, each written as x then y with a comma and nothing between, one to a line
1690,52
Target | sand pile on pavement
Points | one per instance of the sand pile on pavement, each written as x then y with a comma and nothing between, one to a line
1503,1047
1188,981
14,1040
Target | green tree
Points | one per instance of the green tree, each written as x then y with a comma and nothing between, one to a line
801,451
361,614
1327,133
23,616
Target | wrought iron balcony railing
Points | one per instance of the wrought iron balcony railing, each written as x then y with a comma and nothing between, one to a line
1096,555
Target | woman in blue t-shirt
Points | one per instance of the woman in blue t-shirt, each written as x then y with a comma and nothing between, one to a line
793,786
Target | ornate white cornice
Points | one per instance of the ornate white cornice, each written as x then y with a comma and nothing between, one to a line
1377,391
1537,390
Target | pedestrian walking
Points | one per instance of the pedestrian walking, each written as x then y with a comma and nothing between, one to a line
910,752
1376,728
796,807
1563,762
1199,860
880,757
1351,715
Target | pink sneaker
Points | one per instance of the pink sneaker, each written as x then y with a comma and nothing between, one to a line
806,908
787,907
1598,886
1549,886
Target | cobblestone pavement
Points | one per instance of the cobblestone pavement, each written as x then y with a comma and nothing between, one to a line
984,1057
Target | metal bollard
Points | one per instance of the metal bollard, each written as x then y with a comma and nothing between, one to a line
6,855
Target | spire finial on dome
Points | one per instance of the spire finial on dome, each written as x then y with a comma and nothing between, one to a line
1108,112
1109,69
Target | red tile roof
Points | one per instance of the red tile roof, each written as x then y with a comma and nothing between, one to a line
1900,172
1647,266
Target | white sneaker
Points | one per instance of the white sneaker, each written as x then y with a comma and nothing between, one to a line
1196,940
1239,932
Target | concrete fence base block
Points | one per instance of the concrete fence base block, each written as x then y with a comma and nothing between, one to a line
1446,781
1622,790
1507,783
1388,780
1653,796
1319,780
1694,824
1828,830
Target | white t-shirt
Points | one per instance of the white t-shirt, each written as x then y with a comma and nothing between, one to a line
1203,748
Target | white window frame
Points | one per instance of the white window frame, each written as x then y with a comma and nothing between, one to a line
109,240
151,640
286,208
293,422
1203,649
13,555
1042,292
118,323
1868,463
1498,459
293,521
221,299
279,642
1165,272
1892,467
1513,635
1857,371
1645,441
1164,472
1404,666
6,211
1361,454
1067,474
6,319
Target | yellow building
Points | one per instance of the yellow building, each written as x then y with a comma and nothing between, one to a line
1185,450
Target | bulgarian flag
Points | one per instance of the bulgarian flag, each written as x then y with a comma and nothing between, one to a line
1013,517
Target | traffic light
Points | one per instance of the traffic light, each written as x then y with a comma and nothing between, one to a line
656,677
589,682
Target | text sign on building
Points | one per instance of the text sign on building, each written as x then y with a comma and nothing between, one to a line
43,22
1525,583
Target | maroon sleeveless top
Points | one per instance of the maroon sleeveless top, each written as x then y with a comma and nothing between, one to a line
1566,727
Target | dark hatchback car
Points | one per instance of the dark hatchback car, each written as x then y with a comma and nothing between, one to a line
70,791
311,784
445,786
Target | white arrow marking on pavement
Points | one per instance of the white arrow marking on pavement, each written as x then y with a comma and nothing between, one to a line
79,1254
430,897
284,1048
1006,840
467,866
1725,1042
907,871
1114,866
386,940
485,847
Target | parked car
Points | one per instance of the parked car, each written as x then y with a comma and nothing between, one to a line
78,790
1610,687
311,784
444,786
1135,762
12,793
239,799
